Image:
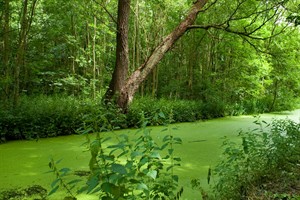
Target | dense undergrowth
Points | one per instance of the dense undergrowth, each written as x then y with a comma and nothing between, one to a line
132,168
265,165
48,116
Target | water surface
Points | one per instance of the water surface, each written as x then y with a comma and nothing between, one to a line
24,163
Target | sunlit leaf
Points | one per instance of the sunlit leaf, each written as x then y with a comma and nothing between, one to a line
142,186
155,155
152,174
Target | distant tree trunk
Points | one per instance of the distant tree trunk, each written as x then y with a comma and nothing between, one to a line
127,89
6,44
122,58
94,58
20,52
73,49
20,56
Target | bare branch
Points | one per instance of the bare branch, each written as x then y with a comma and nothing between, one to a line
106,10
225,25
209,6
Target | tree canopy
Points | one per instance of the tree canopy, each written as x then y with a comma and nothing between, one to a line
239,52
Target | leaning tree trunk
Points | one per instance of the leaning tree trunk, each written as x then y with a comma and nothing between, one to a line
131,85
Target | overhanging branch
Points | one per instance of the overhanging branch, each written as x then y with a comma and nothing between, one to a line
106,10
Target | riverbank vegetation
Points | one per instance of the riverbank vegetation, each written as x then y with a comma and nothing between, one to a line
263,166
49,116
92,66
59,61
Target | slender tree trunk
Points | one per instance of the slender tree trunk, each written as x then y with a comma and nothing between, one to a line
25,22
74,54
128,90
6,43
122,61
20,52
94,58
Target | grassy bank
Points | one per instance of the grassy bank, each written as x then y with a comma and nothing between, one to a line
48,116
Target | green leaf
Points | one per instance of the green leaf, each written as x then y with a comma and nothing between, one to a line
152,174
177,159
167,138
86,131
162,115
143,161
123,153
117,146
74,181
65,170
92,183
114,178
55,182
175,178
117,168
165,129
155,155
134,181
124,136
170,167
164,146
107,187
129,165
170,151
53,190
142,186
50,165
106,139
135,154
57,162
178,140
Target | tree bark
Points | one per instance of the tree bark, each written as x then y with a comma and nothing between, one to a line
94,58
20,52
122,57
6,44
131,85
25,22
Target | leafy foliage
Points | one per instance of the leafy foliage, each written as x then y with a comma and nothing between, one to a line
70,50
130,169
263,166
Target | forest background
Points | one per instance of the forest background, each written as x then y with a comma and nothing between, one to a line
57,60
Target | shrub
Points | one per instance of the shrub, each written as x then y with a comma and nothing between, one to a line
137,168
43,116
264,166
163,111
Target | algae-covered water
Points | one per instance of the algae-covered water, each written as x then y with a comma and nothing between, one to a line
25,163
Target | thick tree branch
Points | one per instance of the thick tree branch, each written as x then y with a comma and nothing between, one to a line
138,76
